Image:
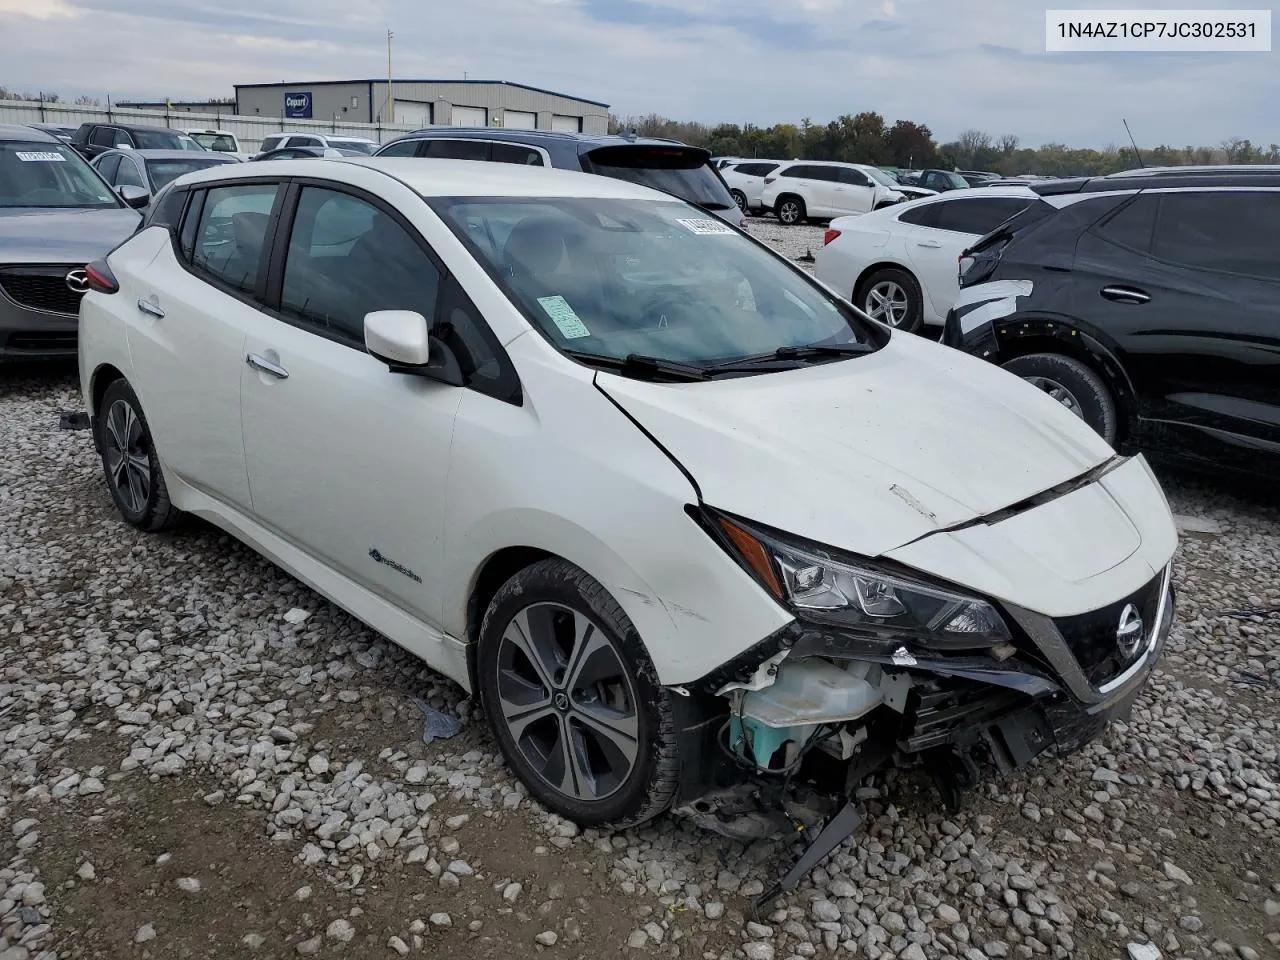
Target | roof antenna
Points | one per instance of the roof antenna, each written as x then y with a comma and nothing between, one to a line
1141,165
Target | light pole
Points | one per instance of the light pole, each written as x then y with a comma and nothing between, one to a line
391,103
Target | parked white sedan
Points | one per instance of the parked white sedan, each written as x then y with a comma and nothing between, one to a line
679,516
900,264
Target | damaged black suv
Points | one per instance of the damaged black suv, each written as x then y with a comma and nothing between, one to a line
1146,302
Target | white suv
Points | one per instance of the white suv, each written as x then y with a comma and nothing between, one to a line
821,190
746,182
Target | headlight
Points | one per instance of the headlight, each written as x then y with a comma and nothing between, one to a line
823,586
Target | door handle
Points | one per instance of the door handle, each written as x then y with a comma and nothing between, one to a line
146,306
266,366
929,244
1125,295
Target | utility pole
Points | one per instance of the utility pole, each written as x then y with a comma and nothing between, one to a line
391,103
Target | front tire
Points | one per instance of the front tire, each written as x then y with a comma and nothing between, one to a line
574,700
790,211
893,297
1073,384
130,463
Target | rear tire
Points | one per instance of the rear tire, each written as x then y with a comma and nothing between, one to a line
790,210
740,199
893,297
130,463
1073,384
574,700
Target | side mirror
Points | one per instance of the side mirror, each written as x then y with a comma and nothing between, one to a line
136,197
402,340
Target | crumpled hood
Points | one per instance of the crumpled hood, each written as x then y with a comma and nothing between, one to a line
36,235
870,453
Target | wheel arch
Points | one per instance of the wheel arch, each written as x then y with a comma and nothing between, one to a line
105,375
785,195
1022,336
497,569
881,265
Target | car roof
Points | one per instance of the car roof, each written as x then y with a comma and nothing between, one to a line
1150,178
150,128
19,131
227,133
156,154
519,135
450,178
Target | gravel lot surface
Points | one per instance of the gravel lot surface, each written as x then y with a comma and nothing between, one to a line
201,758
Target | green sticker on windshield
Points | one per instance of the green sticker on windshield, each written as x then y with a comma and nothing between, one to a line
562,315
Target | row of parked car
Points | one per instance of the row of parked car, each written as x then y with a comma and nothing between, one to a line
897,258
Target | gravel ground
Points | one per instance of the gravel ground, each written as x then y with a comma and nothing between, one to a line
201,758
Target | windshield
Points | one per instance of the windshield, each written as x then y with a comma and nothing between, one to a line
878,175
679,171
221,142
357,146
956,181
614,278
44,174
162,172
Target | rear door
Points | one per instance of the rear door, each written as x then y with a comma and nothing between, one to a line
941,232
197,301
1188,286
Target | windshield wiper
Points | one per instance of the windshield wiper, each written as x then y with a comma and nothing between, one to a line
642,367
798,353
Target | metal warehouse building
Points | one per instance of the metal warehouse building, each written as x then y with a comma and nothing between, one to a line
471,103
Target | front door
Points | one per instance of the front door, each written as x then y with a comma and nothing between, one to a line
347,460
196,304
855,193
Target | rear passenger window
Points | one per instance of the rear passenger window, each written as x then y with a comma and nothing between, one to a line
166,209
458,149
1228,232
977,215
230,234
347,258
402,148
922,216
514,153
1132,225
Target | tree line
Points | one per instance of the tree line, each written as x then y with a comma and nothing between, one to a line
867,138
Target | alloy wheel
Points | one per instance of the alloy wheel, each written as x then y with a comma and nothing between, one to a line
1058,392
127,456
789,212
568,701
888,303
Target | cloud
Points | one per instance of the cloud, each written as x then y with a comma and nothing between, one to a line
950,64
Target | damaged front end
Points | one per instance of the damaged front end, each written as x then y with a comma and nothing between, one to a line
882,668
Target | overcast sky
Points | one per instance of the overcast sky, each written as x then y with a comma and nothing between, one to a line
951,64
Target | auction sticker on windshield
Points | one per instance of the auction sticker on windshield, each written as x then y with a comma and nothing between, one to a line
562,315
29,157
705,227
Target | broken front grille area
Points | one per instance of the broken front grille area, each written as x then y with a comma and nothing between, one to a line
1093,638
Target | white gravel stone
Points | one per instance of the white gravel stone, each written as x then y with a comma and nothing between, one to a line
547,938
340,930
145,932
188,884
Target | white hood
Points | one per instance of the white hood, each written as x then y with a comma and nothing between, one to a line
870,453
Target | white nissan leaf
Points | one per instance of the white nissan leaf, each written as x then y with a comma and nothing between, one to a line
696,532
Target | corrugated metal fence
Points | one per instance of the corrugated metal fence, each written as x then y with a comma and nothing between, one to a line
248,130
